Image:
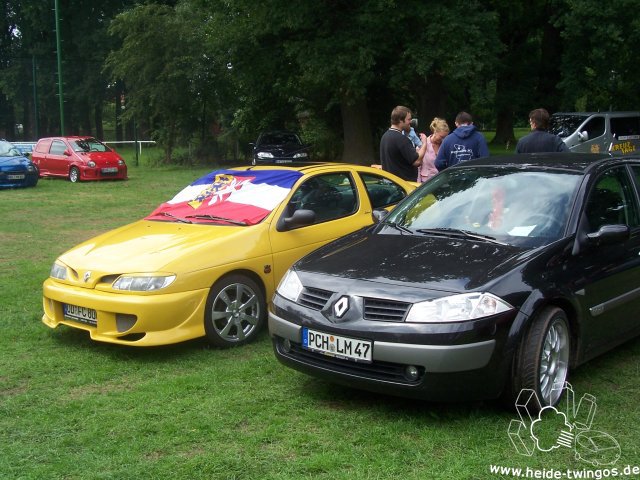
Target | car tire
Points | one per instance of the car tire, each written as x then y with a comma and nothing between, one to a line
235,312
74,175
542,361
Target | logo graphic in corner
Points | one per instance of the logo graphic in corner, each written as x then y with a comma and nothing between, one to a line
341,307
86,276
568,427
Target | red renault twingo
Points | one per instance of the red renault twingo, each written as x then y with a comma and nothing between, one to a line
78,158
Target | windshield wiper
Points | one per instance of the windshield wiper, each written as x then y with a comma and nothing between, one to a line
222,219
179,219
458,232
399,227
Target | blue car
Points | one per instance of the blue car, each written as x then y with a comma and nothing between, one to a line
16,170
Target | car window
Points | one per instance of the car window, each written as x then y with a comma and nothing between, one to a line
278,139
520,207
8,150
57,148
382,191
594,127
43,146
612,201
89,145
625,128
330,196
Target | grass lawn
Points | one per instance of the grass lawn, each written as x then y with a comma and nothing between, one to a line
71,408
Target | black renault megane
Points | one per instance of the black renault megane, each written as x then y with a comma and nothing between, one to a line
498,275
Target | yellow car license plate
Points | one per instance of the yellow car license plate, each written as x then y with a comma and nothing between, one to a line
80,314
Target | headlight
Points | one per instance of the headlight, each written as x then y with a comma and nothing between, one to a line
143,283
290,286
457,308
300,155
265,155
121,162
58,271
31,168
91,163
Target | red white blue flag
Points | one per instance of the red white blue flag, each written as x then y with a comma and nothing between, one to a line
240,196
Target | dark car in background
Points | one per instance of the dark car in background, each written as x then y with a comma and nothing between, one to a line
279,147
497,276
78,158
16,170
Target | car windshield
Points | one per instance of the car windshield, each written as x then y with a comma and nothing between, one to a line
504,204
278,138
8,150
89,145
565,124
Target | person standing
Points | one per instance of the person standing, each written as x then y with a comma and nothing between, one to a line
539,140
464,143
397,153
439,130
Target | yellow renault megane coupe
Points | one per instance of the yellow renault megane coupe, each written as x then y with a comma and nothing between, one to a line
206,262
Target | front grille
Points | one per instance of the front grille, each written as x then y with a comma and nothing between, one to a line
314,298
386,371
384,310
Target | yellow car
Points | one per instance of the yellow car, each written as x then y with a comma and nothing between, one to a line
205,263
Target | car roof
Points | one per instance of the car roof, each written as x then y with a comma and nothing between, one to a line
309,167
577,162
71,137
588,114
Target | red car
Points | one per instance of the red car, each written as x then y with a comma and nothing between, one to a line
78,158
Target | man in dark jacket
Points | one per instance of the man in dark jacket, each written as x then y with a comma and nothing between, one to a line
539,140
397,154
463,144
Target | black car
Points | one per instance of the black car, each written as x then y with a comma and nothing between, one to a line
279,147
16,169
498,275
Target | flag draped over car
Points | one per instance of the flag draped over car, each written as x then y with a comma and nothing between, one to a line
237,195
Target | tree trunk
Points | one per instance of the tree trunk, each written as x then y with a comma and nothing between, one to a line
432,102
504,114
356,125
97,115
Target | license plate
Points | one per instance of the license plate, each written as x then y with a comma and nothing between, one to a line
15,177
284,161
337,346
109,170
80,314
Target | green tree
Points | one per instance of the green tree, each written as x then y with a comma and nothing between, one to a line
601,45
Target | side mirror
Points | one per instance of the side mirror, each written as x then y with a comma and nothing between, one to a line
583,136
67,153
379,214
300,218
609,235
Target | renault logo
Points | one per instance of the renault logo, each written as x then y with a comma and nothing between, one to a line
341,307
87,276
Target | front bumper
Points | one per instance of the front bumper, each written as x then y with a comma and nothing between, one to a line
452,364
129,319
103,173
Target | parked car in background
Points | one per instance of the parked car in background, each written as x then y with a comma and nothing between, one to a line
498,275
279,147
207,261
78,159
598,132
16,170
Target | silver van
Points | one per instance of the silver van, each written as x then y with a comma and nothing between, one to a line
598,132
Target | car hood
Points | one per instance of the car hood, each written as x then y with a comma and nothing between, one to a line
101,158
151,246
14,161
282,148
438,263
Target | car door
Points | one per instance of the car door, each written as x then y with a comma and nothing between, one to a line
57,161
595,140
40,154
609,274
339,207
